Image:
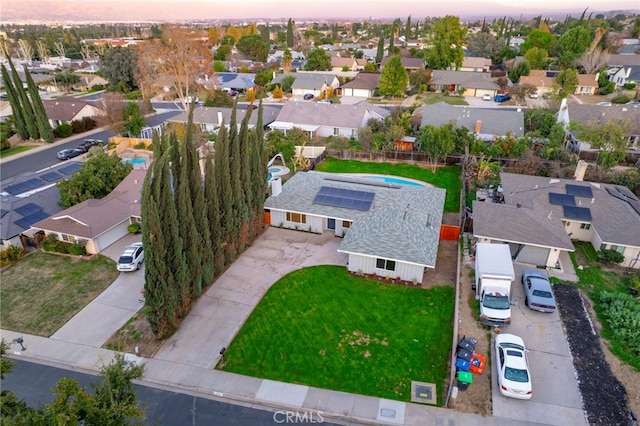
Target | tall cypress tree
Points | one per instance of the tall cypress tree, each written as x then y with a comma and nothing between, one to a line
27,109
44,128
16,107
234,176
225,196
380,52
245,175
258,167
240,188
407,30
290,33
213,215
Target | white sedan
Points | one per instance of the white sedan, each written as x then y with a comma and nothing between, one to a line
514,379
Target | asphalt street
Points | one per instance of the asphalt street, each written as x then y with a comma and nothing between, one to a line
33,382
47,157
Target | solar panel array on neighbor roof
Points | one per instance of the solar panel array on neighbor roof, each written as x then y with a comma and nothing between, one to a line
340,197
25,186
28,209
71,168
577,213
27,221
579,191
561,199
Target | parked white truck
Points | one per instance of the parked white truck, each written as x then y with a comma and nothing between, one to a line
494,275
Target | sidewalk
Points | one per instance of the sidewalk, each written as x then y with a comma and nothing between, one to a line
186,361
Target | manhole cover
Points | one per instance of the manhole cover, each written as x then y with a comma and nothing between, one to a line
423,392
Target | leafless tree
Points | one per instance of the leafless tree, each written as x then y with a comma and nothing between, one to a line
26,50
43,52
112,104
85,51
101,48
59,48
594,61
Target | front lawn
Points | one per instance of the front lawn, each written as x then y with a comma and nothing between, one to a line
324,327
433,98
447,177
43,291
15,150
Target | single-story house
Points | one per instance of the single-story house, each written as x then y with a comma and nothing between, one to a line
587,84
324,119
475,84
98,223
586,114
87,81
363,85
409,64
543,81
234,81
475,64
28,198
68,109
338,64
624,74
389,230
541,217
210,118
310,82
486,123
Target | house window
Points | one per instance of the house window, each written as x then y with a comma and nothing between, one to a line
354,133
68,238
619,249
346,224
296,217
336,131
585,226
386,264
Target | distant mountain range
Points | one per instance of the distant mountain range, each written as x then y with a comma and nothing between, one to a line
128,11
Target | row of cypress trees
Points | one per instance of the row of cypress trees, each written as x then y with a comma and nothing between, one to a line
29,116
193,227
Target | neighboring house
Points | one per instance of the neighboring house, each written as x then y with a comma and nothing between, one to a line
621,75
338,64
234,81
5,110
310,82
327,119
486,123
475,84
29,198
474,64
587,84
543,81
619,60
363,85
98,223
542,216
389,230
409,64
515,42
68,109
589,115
88,81
210,119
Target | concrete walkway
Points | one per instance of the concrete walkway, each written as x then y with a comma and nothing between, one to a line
186,361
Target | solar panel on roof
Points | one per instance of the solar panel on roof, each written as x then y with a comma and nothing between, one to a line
71,168
579,190
51,176
28,209
561,199
341,197
627,192
3,212
577,213
27,221
25,186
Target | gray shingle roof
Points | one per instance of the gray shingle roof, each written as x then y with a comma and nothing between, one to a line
494,121
466,79
596,114
394,228
209,115
624,60
304,80
614,220
66,108
364,80
335,115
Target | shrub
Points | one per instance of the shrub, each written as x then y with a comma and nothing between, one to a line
64,130
140,145
622,312
629,86
10,255
76,249
4,143
610,257
622,99
134,228
134,95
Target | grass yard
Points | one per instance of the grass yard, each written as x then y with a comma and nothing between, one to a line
14,150
447,177
43,291
433,98
323,327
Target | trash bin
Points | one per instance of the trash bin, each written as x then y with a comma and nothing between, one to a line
477,363
467,344
463,354
464,379
462,365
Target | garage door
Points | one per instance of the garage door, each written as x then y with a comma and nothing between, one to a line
528,254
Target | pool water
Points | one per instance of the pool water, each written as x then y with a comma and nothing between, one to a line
395,180
274,170
135,161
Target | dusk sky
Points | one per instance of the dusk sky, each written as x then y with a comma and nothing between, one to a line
297,9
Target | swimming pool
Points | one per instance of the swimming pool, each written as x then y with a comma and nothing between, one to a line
135,160
394,180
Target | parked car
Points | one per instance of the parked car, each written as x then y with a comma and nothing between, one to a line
604,104
65,154
131,258
89,143
486,97
514,379
501,97
537,291
308,96
534,95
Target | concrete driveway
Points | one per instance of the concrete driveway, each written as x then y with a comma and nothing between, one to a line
556,399
220,313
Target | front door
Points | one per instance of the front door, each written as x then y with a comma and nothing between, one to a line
331,224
